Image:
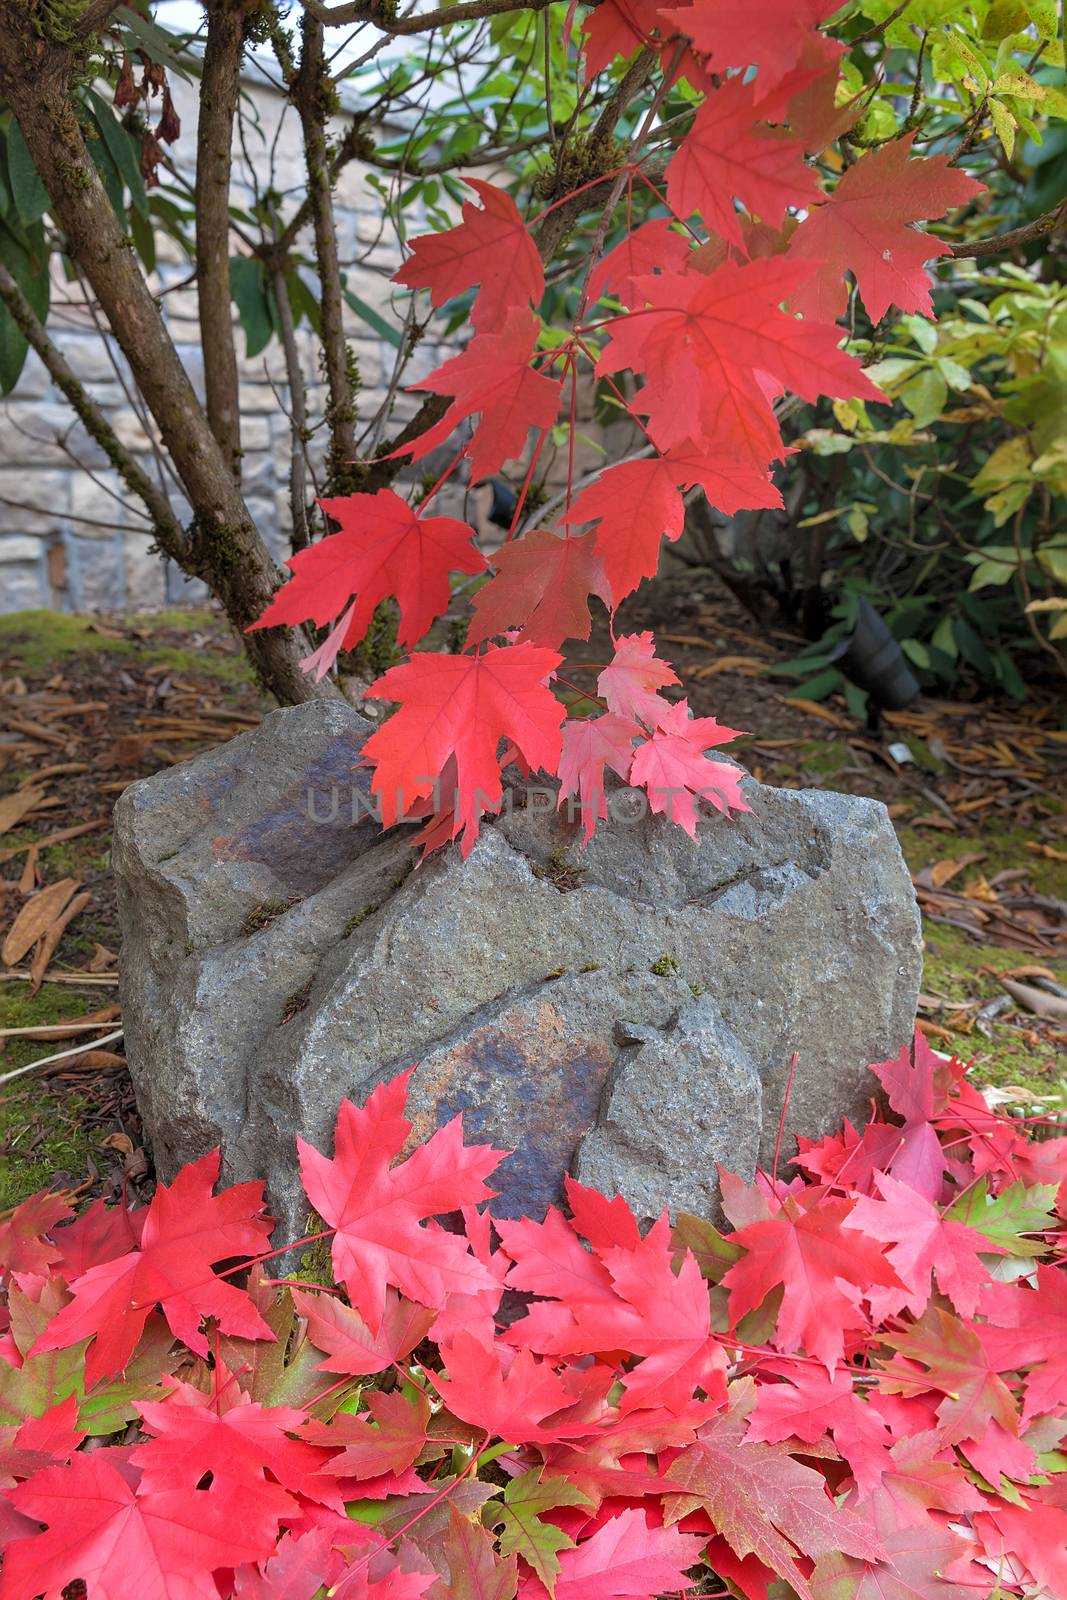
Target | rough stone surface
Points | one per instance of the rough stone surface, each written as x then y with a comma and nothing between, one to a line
627,1012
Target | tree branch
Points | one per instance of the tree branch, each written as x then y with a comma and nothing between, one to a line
1051,222
214,142
223,545
298,506
95,16
165,525
310,90
417,22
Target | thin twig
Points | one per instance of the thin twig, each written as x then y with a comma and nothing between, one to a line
60,1055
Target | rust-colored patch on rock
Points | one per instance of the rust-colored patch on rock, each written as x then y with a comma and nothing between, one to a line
528,1068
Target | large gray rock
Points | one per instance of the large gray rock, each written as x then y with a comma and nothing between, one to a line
627,1012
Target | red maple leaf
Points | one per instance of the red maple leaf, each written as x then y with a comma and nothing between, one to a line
771,36
728,156
715,350
524,1401
475,1571
491,247
187,1230
120,1542
605,1223
863,227
645,1308
100,1234
1027,1330
824,1270
378,1209
589,745
917,1084
627,1558
913,1568
943,1354
384,548
548,1258
636,505
542,587
672,767
1036,1534
493,377
761,1500
388,1436
810,94
618,28
462,707
22,1245
303,1564
39,1441
346,1341
923,1244
632,683
226,1433
813,1403
654,246
921,1476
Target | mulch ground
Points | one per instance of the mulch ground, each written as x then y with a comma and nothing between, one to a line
84,714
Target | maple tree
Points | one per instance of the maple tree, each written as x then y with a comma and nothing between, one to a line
711,313
858,1392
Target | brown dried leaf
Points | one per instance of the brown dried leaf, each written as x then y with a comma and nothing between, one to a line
1049,851
980,889
36,916
102,959
47,947
943,871
13,807
28,880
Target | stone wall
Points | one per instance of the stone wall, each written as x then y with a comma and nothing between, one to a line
69,537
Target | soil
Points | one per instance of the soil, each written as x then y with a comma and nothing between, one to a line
88,705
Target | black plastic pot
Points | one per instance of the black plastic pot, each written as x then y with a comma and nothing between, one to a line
502,508
874,661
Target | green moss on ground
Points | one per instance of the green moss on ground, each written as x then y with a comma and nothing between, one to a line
1003,846
41,1139
87,857
44,641
957,968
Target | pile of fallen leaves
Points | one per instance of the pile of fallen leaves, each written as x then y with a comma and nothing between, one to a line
859,1391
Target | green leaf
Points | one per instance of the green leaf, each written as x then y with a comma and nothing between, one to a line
817,688
925,396
713,1251
13,352
518,1515
255,307
110,176
144,239
303,302
922,331
1053,557
27,190
159,43
1005,1217
374,319
121,149
991,574
945,640
916,652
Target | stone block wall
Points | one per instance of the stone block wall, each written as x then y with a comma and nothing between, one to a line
70,537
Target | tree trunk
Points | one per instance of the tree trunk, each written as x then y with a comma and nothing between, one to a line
214,141
223,546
